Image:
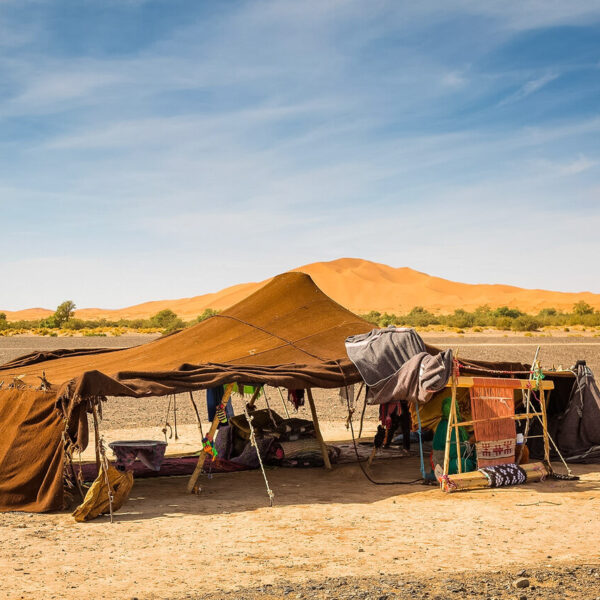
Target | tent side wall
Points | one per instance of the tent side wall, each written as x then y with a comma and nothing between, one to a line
31,451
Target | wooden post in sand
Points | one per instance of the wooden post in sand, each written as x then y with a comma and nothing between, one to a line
545,428
193,486
451,421
315,419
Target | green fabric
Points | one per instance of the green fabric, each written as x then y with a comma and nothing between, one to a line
248,390
439,441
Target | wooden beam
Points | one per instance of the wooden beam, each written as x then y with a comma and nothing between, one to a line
315,419
519,417
193,486
468,382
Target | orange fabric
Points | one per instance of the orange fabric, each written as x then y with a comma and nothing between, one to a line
491,399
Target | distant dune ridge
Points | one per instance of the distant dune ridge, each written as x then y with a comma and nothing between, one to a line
359,285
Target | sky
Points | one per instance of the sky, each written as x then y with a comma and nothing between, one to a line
169,148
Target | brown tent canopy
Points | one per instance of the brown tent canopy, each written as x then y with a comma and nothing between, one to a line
288,333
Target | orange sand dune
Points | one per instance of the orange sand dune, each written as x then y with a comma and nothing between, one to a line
361,286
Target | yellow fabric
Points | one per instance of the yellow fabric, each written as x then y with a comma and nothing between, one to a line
96,502
431,412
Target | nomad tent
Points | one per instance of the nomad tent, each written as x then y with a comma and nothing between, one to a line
287,334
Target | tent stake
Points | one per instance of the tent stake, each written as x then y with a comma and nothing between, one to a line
315,419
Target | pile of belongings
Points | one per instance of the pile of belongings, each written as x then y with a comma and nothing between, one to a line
281,442
397,368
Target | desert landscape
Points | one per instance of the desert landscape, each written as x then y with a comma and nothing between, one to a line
328,535
359,285
299,300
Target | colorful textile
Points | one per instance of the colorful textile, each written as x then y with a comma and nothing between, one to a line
439,443
496,451
489,401
150,452
503,475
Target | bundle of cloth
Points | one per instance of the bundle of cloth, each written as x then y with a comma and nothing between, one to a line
282,442
397,368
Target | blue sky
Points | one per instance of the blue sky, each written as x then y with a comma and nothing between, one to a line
161,149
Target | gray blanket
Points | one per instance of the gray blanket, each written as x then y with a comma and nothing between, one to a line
579,427
417,380
380,353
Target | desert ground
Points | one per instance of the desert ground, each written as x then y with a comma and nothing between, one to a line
328,535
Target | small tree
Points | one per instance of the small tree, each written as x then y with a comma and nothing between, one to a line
582,308
166,319
64,312
3,322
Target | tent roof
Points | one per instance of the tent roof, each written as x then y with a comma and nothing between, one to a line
289,326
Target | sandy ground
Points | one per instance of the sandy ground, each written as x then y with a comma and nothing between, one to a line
328,535
166,543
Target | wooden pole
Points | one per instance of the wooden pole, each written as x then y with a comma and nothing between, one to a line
362,414
254,397
545,428
315,419
193,486
175,415
96,435
451,420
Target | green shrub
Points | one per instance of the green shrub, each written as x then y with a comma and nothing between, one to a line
525,323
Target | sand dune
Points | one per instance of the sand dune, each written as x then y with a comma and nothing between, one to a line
361,286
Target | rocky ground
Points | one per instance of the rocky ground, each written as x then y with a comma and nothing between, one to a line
581,582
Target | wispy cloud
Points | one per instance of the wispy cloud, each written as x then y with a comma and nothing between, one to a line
262,136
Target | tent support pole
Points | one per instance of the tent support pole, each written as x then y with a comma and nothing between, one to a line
193,487
96,436
450,425
315,419
254,398
545,430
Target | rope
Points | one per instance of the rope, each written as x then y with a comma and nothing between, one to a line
262,468
269,408
197,415
288,342
362,468
570,473
283,402
420,432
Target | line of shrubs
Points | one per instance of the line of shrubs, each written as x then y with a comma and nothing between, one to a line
165,321
503,318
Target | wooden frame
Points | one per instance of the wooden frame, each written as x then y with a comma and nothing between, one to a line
469,382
